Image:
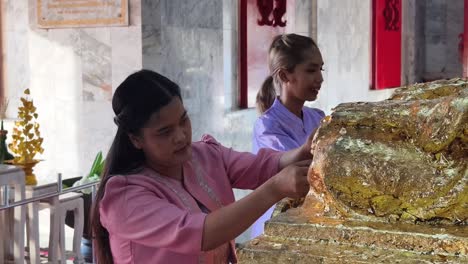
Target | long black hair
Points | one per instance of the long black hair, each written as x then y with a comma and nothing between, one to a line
139,96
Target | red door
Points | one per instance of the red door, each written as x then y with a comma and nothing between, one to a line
386,48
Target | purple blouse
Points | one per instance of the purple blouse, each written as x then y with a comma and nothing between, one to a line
281,130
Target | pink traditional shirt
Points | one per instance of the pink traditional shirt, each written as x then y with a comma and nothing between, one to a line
156,219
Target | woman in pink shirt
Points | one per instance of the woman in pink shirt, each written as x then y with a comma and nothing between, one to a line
166,199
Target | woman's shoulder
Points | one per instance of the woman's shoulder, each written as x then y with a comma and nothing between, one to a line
206,140
266,122
208,149
131,179
142,176
206,143
129,185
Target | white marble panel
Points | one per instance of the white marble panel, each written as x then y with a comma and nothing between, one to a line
344,38
53,64
435,17
151,16
230,14
64,37
126,53
454,28
238,128
151,44
16,56
57,56
151,13
97,132
193,14
99,34
443,25
67,76
46,111
135,12
96,65
409,24
230,60
304,19
44,54
198,73
61,145
42,87
16,15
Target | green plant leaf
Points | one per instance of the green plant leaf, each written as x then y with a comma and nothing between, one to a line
98,165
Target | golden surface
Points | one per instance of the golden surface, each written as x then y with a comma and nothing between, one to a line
388,185
403,159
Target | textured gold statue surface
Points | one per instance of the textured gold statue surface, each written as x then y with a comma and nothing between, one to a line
403,159
388,185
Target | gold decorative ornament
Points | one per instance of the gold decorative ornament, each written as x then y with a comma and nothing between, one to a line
27,140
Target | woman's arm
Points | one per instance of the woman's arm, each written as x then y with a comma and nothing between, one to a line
228,222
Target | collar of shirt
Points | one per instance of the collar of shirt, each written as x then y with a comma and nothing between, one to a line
287,117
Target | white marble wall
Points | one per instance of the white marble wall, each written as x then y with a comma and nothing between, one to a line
199,52
344,38
443,24
188,48
430,41
305,14
71,74
413,41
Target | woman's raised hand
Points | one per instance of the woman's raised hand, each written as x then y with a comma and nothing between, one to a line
307,146
292,180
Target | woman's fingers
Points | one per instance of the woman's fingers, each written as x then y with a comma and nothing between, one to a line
303,163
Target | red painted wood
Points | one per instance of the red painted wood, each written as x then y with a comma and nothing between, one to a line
386,44
372,68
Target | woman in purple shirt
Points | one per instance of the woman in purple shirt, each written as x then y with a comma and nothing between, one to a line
296,65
